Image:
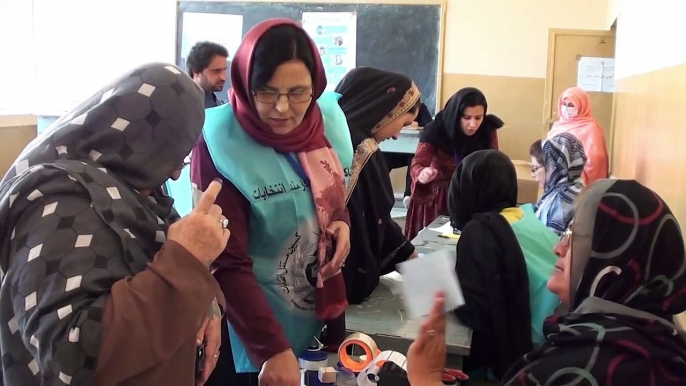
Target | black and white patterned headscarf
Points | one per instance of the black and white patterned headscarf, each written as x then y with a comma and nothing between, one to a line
73,222
564,160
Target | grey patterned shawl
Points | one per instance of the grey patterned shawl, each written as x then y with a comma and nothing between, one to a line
564,160
73,222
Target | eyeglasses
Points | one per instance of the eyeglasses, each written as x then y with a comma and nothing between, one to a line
186,162
566,237
272,97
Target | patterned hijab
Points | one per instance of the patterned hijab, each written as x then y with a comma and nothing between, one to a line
564,160
74,222
373,98
628,278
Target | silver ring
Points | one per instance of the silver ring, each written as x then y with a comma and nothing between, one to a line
225,223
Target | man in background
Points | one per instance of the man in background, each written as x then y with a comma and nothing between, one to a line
207,64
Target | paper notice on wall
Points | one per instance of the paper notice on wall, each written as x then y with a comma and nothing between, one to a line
335,34
596,74
608,77
223,29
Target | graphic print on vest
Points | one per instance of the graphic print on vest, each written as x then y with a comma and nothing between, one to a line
296,276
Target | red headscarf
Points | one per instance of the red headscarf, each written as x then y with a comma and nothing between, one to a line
318,160
309,134
587,130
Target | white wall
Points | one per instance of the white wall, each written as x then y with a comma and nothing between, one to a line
510,37
649,40
77,46
613,7
17,66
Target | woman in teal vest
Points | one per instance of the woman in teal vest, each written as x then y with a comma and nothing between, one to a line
504,260
283,149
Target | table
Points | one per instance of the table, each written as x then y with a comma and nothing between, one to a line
406,143
428,241
383,316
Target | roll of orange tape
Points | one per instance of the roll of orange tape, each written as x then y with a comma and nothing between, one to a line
371,351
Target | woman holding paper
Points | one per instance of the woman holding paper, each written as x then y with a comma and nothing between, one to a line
504,259
460,129
575,117
282,148
378,104
620,272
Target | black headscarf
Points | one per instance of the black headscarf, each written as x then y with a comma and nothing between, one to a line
490,263
372,98
424,117
446,133
485,181
74,223
628,277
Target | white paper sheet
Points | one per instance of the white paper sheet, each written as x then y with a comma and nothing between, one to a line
608,78
423,277
596,74
445,228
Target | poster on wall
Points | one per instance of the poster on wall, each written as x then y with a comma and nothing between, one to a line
335,34
596,74
223,29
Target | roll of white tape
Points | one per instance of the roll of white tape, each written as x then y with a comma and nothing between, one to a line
313,360
369,376
312,366
371,350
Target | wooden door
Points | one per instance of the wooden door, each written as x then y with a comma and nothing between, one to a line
565,48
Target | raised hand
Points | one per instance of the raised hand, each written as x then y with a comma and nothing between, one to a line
202,232
427,175
426,355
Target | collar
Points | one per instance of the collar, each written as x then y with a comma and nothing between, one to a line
210,99
512,215
596,305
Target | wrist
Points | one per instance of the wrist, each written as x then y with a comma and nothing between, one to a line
424,382
284,352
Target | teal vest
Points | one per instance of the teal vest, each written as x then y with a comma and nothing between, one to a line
283,230
537,242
